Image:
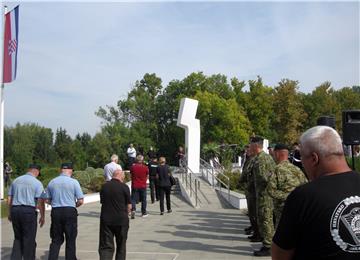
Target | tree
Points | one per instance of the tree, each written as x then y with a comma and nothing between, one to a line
321,102
258,107
99,151
221,120
63,145
288,112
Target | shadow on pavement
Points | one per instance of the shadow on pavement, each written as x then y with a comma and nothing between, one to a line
190,245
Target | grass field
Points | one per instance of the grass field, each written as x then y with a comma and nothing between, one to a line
4,209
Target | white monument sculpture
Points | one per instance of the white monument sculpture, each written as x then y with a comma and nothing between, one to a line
265,146
186,119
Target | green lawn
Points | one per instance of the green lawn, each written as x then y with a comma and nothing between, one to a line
4,209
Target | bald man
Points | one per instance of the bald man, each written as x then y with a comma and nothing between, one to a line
114,218
321,219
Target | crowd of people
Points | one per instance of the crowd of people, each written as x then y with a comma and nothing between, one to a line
312,213
308,213
27,198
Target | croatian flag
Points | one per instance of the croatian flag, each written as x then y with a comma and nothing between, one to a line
11,44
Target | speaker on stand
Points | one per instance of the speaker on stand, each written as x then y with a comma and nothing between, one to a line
326,120
351,130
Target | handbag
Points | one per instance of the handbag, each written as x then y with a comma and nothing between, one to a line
172,180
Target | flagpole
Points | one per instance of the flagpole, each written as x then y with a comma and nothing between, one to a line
3,11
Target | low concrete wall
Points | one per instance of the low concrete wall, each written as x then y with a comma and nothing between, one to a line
88,198
237,200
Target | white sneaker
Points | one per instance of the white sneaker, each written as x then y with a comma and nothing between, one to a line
145,215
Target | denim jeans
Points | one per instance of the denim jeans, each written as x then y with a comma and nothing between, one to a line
138,194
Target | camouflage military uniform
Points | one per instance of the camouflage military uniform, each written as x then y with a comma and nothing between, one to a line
285,178
262,170
247,184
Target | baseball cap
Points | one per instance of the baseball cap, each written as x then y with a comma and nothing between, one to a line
35,166
67,165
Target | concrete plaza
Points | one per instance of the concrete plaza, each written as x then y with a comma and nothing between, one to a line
184,234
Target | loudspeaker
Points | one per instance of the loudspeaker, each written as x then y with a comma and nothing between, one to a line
326,120
351,127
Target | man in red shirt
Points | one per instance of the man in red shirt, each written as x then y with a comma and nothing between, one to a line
139,175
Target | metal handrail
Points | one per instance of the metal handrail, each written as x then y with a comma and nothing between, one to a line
210,169
191,181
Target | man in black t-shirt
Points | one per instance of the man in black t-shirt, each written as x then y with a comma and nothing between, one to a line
114,218
321,219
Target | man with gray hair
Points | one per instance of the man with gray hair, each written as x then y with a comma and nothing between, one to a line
111,167
321,219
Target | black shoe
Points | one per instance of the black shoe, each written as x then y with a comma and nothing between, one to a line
248,228
161,213
132,214
169,211
252,236
264,251
256,239
248,232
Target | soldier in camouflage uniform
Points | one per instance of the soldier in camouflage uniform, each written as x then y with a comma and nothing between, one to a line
247,184
262,170
285,178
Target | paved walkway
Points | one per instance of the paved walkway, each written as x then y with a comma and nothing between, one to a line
185,234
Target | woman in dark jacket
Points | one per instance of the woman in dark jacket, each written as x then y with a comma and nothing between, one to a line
163,174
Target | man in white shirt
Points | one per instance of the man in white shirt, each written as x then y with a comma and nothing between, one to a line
131,152
111,167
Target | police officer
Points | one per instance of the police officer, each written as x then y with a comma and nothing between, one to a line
23,198
64,194
263,168
286,177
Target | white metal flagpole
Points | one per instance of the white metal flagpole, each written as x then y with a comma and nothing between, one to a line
3,10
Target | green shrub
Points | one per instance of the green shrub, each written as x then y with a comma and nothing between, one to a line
89,179
96,183
233,179
47,174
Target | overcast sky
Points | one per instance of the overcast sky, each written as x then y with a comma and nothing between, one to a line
75,57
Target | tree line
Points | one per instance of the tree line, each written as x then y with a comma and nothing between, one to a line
230,111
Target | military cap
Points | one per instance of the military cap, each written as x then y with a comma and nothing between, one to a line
256,139
271,146
67,165
281,147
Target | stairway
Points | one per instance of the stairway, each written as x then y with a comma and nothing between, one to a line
209,197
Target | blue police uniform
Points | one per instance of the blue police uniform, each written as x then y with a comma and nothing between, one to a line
63,192
24,192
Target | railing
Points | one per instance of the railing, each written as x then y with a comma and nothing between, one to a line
188,177
207,169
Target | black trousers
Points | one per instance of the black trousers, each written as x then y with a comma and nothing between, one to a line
63,222
154,190
106,241
165,191
24,222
